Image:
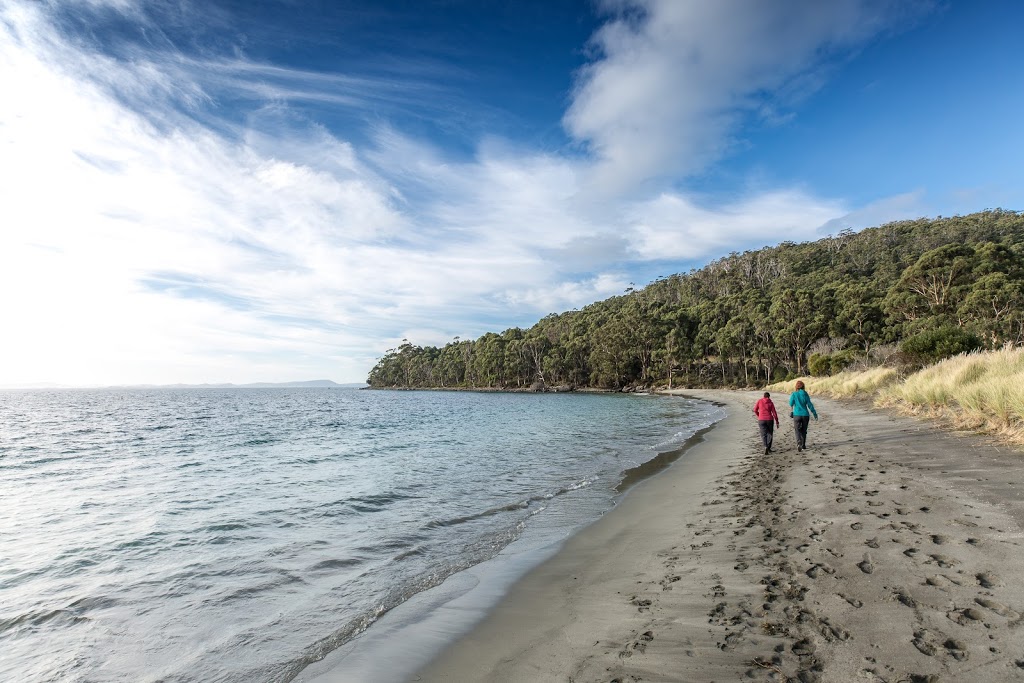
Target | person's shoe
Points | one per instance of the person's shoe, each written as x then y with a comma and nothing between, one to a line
799,448
767,451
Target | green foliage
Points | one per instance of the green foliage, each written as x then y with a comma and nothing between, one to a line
825,364
818,364
751,319
934,345
842,360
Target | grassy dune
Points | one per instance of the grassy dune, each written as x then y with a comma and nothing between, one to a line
982,391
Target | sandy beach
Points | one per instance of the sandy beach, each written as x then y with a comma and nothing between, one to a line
889,550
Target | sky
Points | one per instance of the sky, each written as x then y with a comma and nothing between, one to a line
283,190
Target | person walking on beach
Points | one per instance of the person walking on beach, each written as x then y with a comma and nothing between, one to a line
767,420
802,407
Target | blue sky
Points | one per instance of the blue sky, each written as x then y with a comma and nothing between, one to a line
272,191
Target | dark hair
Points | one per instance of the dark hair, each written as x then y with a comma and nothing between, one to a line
766,394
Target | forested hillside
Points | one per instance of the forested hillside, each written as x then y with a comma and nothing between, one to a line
912,291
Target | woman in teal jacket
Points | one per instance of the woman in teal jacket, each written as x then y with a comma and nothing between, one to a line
802,407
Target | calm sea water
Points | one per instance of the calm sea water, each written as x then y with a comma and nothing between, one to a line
238,535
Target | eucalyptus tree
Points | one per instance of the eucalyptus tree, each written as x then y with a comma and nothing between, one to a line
858,314
801,321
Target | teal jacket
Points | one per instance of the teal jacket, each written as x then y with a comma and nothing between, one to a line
800,401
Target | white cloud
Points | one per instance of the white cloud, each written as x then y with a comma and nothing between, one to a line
572,294
673,226
673,78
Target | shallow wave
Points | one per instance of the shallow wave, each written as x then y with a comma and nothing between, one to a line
377,502
387,545
74,613
510,507
328,565
282,579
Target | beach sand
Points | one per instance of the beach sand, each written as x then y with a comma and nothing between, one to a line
889,550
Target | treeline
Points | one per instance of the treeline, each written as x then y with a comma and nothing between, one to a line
909,291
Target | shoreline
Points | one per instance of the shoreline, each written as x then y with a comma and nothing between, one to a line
549,618
432,619
887,551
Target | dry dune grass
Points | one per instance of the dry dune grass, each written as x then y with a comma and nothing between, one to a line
981,391
862,384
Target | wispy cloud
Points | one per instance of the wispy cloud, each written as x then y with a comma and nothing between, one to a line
151,237
672,80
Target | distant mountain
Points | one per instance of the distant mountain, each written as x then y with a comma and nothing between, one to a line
317,383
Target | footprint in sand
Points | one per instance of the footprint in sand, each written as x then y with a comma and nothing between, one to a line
943,561
665,582
926,642
832,632
988,580
966,616
853,601
939,581
904,598
957,649
641,604
638,645
997,607
816,570
803,648
866,565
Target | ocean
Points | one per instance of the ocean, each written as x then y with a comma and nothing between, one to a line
243,534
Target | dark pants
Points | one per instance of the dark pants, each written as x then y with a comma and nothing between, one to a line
767,428
800,423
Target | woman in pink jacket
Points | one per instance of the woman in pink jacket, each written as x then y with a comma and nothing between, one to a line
767,420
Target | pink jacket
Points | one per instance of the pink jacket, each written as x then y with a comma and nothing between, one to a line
765,410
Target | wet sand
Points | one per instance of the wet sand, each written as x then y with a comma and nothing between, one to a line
889,550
